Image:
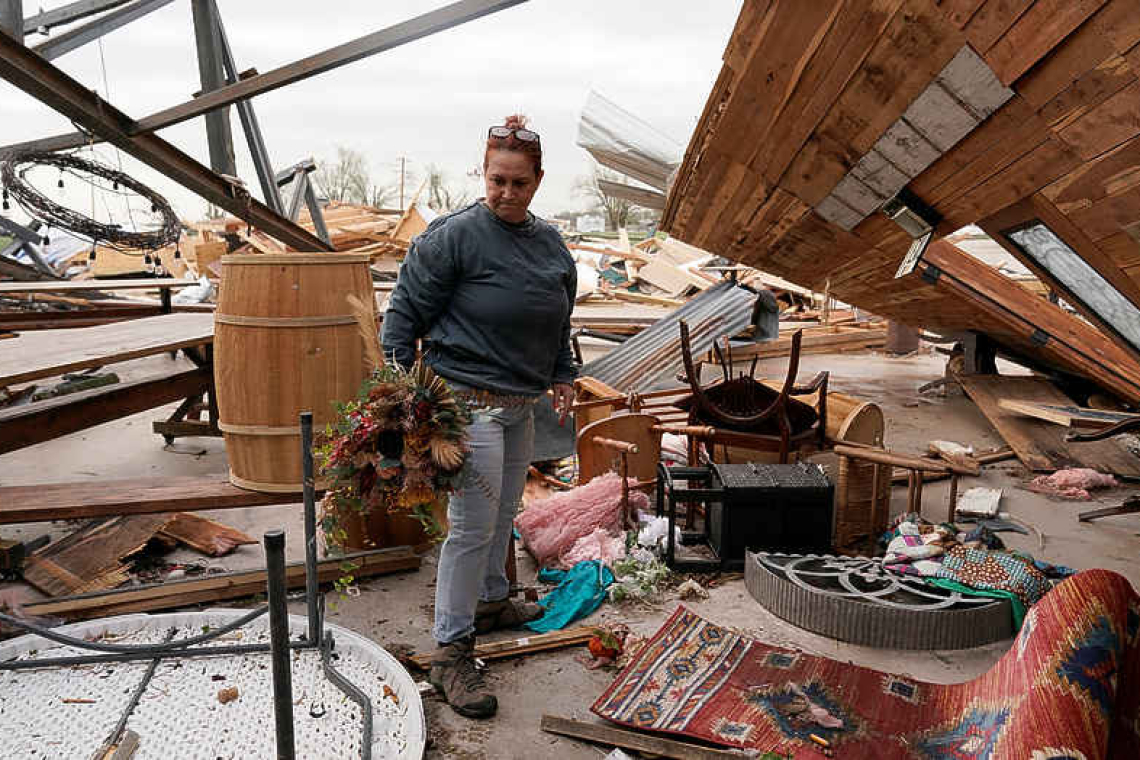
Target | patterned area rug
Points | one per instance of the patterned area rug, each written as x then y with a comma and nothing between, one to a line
1068,689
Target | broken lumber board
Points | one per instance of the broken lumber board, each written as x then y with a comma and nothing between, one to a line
993,457
1040,445
91,558
214,588
1067,415
626,295
843,339
47,353
672,279
205,535
539,642
106,498
602,733
39,421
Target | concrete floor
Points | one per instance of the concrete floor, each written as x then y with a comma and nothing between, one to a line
396,610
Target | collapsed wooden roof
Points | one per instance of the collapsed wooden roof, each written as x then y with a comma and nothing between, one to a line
1022,117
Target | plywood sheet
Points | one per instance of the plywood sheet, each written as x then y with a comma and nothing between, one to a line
45,353
1041,445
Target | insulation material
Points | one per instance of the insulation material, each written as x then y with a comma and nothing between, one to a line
621,141
979,502
601,545
1073,483
550,528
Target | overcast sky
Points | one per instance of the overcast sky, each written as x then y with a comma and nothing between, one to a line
430,100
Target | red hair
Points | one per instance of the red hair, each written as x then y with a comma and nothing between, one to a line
532,149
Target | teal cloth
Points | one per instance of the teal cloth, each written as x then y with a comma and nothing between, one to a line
1015,603
581,590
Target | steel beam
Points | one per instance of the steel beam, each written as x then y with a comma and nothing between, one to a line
315,213
249,124
300,179
12,18
219,137
286,175
17,230
377,42
68,13
40,79
93,30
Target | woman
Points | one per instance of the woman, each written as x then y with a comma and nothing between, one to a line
491,288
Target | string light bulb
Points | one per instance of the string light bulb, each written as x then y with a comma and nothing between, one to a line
177,252
59,182
91,256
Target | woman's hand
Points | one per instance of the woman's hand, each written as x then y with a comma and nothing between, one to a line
563,400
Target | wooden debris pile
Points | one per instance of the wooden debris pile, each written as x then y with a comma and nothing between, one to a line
99,555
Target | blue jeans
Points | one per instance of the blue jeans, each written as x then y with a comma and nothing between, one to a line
472,563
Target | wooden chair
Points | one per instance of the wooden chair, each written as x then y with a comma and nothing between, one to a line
742,412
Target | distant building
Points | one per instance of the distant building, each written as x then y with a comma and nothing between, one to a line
590,223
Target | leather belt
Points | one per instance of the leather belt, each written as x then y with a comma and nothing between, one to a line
478,397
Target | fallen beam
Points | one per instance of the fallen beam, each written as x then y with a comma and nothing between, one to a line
139,496
93,30
335,57
22,426
76,11
28,71
213,588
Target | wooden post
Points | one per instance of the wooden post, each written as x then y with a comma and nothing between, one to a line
953,497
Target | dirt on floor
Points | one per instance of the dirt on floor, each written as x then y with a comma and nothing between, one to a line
396,610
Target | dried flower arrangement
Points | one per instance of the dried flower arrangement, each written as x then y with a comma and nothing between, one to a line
399,447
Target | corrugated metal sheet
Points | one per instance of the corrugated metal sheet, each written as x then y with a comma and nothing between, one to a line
653,356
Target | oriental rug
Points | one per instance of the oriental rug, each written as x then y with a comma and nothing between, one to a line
1068,689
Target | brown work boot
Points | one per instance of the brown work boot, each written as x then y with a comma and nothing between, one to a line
454,675
505,613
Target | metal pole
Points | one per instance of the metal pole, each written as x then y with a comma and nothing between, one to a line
312,585
315,214
12,18
56,46
219,136
279,643
249,123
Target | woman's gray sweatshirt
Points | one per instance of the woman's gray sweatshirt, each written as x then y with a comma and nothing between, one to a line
493,298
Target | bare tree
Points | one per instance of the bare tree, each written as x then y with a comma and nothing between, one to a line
347,179
442,195
617,211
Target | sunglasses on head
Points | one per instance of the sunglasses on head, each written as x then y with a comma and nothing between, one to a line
503,133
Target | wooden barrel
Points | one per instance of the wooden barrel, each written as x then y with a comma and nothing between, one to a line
285,341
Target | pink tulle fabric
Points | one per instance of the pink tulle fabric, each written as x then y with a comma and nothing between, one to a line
1073,483
599,545
550,527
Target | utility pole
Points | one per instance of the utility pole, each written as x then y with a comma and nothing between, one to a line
401,183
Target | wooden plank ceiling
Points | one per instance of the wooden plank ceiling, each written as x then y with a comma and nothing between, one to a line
988,111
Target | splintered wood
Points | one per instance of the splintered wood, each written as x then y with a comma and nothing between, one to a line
1041,445
92,558
205,535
